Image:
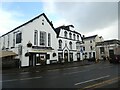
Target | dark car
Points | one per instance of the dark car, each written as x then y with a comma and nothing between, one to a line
115,59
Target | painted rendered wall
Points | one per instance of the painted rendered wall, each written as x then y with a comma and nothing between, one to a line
28,35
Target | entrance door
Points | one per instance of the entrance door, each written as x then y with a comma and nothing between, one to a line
43,59
78,56
32,58
66,56
71,57
111,53
94,55
37,59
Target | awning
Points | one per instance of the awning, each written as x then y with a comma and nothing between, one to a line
7,54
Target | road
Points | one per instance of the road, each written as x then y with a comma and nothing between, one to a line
100,75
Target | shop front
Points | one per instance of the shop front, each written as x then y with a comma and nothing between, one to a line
36,59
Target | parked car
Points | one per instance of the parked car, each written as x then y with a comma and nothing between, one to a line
115,59
91,59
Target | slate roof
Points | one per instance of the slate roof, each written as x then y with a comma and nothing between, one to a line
89,37
58,29
43,14
108,42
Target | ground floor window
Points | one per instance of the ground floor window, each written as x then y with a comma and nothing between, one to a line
48,56
37,59
60,57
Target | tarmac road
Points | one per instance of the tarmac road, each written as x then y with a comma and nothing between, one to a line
100,75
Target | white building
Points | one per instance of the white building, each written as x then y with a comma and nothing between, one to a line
108,48
68,44
32,42
89,46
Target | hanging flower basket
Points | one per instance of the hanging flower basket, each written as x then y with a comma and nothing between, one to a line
27,54
29,44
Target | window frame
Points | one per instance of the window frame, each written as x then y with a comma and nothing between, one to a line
60,44
42,38
70,35
74,36
8,40
49,39
90,41
83,48
91,48
18,37
65,34
35,37
78,37
70,45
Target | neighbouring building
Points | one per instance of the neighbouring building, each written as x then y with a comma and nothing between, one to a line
107,48
33,42
69,43
89,46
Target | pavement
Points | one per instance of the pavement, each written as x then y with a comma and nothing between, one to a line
47,67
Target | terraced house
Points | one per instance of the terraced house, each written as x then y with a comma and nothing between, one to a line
89,46
69,44
37,42
32,43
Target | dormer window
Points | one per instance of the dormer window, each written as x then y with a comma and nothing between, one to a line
74,36
70,35
78,37
65,34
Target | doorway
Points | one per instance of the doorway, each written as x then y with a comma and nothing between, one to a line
71,57
111,53
93,55
78,56
65,56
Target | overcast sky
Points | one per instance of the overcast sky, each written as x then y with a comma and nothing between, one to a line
89,18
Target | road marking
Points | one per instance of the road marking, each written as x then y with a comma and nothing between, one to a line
92,80
78,71
85,70
24,72
21,79
103,83
53,70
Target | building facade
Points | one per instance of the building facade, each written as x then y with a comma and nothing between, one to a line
108,48
69,42
32,42
89,46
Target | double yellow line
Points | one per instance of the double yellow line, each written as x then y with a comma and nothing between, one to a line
98,85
